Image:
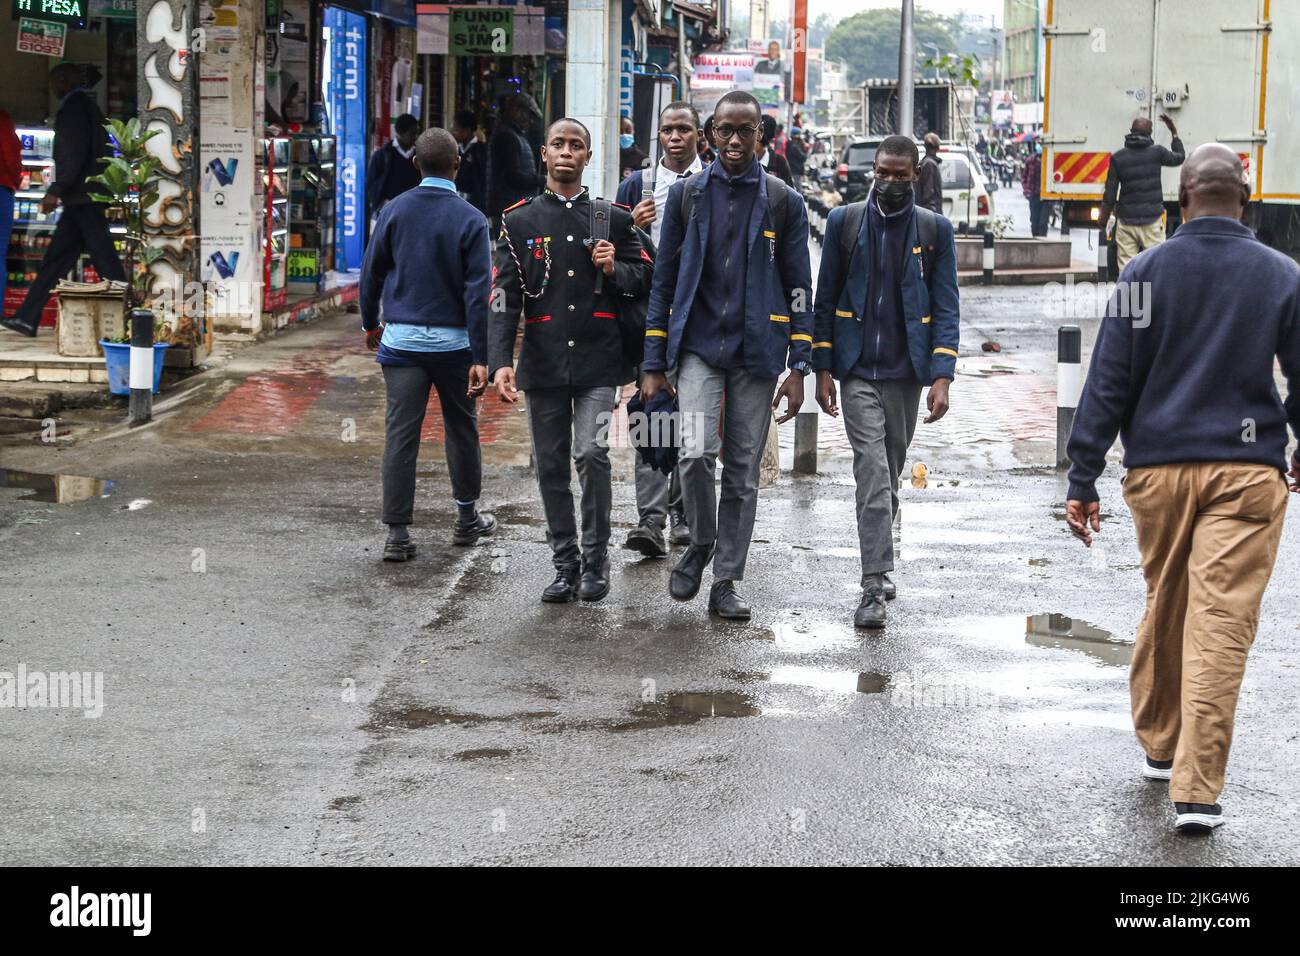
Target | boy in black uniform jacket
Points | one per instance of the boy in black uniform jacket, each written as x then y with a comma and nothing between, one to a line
571,362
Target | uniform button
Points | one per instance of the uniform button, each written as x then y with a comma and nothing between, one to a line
570,272
568,205
570,238
570,343
570,308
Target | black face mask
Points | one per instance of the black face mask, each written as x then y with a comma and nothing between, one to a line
892,196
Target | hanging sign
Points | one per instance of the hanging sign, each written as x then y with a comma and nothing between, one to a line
40,36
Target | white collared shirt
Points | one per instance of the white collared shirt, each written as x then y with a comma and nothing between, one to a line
664,179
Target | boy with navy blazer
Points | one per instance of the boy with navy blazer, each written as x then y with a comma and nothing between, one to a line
886,329
730,310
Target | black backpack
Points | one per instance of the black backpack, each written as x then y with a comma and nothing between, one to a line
927,234
631,312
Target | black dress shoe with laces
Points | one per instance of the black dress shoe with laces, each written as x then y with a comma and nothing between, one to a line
13,325
647,540
679,534
467,532
595,578
399,549
871,612
564,588
725,602
684,582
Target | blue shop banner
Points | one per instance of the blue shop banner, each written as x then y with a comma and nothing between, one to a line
346,102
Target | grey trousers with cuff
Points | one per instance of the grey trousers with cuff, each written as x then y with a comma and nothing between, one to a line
879,419
727,519
575,422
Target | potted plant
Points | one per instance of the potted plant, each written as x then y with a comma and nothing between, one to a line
129,186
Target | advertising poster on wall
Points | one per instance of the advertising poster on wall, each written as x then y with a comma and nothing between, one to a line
345,99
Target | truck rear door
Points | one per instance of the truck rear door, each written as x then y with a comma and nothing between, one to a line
1098,78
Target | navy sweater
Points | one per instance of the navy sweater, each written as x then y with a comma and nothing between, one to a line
884,338
430,260
1196,383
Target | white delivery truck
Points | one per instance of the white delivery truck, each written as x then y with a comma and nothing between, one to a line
1226,71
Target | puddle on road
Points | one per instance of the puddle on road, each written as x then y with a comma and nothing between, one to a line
681,708
1057,630
484,753
838,682
53,488
799,636
416,718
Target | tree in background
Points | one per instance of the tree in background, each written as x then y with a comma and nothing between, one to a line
868,41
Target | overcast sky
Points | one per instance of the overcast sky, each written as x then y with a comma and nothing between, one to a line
844,8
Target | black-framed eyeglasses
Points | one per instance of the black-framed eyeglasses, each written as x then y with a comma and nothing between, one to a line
744,132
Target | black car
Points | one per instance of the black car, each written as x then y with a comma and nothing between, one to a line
854,174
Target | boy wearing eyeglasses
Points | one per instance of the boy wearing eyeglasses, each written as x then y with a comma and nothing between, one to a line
730,310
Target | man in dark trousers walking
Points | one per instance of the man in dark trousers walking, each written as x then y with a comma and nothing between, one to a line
569,285
929,181
80,141
730,311
429,263
887,325
471,180
1188,384
392,171
1031,184
512,165
1134,193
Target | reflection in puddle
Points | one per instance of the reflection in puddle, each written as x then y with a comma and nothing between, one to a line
680,708
1057,630
801,637
838,682
55,489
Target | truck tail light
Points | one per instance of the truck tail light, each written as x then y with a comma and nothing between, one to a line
842,171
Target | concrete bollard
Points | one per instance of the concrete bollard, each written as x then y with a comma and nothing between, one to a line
140,404
1103,257
988,257
1069,384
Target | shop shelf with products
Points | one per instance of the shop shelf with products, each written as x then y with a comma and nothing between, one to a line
311,210
33,229
273,167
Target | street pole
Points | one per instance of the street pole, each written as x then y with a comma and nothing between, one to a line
140,403
906,54
1069,384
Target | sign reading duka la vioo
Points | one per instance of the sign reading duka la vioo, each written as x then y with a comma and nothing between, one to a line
480,31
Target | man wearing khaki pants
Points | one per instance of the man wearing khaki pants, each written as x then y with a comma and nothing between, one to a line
1188,381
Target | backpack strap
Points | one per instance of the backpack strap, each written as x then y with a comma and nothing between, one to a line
600,212
852,225
927,236
776,199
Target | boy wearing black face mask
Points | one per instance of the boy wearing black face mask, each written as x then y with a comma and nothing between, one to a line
886,325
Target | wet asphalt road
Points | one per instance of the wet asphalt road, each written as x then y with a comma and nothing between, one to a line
307,704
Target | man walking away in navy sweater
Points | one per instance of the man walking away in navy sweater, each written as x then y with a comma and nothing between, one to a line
430,264
1185,375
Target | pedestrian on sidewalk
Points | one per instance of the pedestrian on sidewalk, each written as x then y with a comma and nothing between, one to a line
512,164
1031,183
659,496
80,142
772,161
1188,384
392,169
429,265
887,324
929,183
1133,189
570,287
731,303
471,180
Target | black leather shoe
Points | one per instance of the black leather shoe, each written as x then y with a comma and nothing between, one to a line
564,588
399,549
871,612
595,578
725,602
482,526
679,534
13,325
646,540
684,582
891,591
